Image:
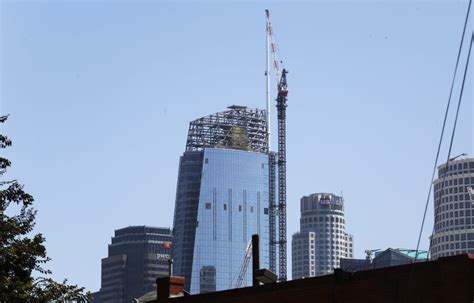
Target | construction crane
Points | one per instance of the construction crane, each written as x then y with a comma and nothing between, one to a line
272,156
245,264
281,100
281,117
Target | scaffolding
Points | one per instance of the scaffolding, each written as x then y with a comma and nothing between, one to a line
238,128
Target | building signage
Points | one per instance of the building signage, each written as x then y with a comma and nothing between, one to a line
162,256
325,200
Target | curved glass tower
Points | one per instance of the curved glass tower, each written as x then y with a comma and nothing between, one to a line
221,199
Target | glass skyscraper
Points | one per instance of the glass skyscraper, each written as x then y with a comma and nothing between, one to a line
137,256
221,199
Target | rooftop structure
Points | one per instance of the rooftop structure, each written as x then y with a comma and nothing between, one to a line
452,277
384,258
410,253
238,128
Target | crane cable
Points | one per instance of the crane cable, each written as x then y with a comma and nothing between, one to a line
443,128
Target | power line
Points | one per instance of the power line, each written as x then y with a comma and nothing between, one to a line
442,129
455,123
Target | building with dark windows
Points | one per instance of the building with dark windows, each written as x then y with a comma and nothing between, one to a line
322,240
453,209
384,258
137,256
221,199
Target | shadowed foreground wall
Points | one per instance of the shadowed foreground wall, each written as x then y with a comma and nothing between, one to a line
449,279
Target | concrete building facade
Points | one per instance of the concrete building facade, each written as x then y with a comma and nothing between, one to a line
137,256
454,209
322,240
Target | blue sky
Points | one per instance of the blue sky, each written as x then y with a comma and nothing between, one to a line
100,95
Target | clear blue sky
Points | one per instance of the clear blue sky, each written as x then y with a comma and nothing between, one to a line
100,95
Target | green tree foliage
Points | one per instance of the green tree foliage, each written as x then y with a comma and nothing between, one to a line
21,252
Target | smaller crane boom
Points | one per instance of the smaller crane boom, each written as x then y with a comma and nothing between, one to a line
245,264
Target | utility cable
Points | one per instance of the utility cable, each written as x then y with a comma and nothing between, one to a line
455,122
442,129
460,98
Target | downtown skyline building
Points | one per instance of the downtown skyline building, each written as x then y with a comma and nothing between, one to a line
137,256
453,209
222,198
322,240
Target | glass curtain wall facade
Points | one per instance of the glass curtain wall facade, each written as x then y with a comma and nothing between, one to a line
454,209
221,200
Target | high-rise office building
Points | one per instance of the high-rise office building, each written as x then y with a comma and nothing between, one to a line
454,209
221,199
137,256
322,240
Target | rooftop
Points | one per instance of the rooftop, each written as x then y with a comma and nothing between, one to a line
453,277
237,128
422,254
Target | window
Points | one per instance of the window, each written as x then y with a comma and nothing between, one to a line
225,206
206,160
240,207
265,211
208,205
251,209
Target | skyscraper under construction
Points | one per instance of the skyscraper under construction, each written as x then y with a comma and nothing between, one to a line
222,198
